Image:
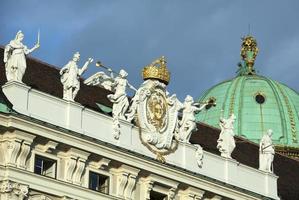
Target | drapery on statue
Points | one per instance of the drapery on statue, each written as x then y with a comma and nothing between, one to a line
188,122
70,77
226,142
266,152
119,99
14,57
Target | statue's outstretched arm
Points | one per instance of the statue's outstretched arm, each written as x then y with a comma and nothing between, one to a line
131,86
84,68
201,107
28,51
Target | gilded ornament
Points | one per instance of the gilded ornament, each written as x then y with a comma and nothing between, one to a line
249,51
157,70
291,114
157,110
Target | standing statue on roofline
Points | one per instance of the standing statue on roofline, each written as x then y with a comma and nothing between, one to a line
266,152
70,77
226,142
15,57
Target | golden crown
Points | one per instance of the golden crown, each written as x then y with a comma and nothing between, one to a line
157,70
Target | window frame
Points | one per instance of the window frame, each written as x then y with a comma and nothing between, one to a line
107,181
55,160
100,172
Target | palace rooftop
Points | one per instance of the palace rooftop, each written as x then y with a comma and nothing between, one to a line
43,81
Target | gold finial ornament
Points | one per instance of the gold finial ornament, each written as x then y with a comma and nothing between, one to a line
157,70
249,51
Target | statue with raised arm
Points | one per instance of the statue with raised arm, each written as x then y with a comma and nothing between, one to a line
188,123
226,142
15,57
119,99
266,152
70,77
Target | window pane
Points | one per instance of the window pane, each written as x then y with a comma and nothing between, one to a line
45,166
93,181
38,165
157,196
99,182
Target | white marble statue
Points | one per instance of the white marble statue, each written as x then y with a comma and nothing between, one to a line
199,155
266,152
15,57
226,142
70,77
133,108
188,123
119,99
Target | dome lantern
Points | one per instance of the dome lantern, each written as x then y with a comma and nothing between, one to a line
249,51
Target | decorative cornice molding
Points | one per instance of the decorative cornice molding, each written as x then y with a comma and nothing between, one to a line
13,190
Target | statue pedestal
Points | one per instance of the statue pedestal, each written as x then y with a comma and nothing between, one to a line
17,93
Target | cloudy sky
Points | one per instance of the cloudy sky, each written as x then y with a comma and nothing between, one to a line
200,39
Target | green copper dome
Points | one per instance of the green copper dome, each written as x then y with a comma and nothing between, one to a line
258,103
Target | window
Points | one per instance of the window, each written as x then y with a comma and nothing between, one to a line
157,196
45,166
99,182
260,98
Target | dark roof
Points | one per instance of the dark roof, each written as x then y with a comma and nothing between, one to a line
46,78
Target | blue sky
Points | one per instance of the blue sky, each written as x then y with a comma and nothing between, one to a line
200,39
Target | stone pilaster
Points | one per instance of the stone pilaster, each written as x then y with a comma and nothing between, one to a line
15,148
158,184
74,163
125,177
171,194
191,194
79,170
146,188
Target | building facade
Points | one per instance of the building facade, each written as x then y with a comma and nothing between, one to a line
57,149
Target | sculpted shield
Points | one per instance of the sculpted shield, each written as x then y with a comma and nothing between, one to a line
156,112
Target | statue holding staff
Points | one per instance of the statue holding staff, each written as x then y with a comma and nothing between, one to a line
266,152
15,57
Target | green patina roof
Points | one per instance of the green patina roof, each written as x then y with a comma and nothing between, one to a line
104,108
278,112
5,105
